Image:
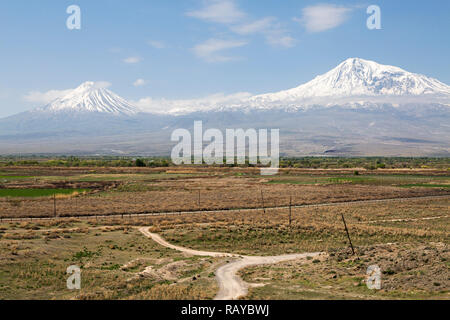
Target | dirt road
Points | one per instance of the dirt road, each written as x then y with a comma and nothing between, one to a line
158,239
231,286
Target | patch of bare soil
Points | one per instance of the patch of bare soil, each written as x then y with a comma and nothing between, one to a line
93,185
167,272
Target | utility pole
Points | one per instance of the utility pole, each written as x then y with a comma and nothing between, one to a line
54,204
262,201
348,234
290,211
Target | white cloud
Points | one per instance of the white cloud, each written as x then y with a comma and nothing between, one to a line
102,84
210,49
323,17
238,22
220,11
184,106
270,28
156,44
139,83
285,41
46,97
260,25
132,60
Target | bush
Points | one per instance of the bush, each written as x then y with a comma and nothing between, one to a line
140,163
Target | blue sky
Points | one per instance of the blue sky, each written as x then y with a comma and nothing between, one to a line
189,49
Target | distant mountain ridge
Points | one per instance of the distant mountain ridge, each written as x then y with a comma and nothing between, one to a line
358,108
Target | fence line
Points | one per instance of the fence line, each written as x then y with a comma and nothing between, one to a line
192,211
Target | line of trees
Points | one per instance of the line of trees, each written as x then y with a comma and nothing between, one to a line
370,163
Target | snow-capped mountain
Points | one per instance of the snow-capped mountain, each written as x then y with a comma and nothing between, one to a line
89,110
88,98
355,83
358,108
360,78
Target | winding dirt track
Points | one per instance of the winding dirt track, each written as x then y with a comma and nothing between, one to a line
231,286
158,239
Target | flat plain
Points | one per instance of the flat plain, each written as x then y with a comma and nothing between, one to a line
52,218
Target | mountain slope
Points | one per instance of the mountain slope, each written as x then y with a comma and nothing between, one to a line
85,111
88,97
361,78
355,83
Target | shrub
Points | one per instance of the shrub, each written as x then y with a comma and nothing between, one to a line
140,163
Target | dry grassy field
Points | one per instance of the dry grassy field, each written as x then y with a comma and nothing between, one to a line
132,191
231,210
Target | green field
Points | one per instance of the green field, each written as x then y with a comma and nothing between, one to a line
407,181
14,177
33,193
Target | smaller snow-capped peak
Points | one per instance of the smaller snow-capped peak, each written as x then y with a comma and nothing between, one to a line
91,97
359,77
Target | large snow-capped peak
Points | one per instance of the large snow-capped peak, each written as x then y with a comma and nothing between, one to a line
91,97
357,77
